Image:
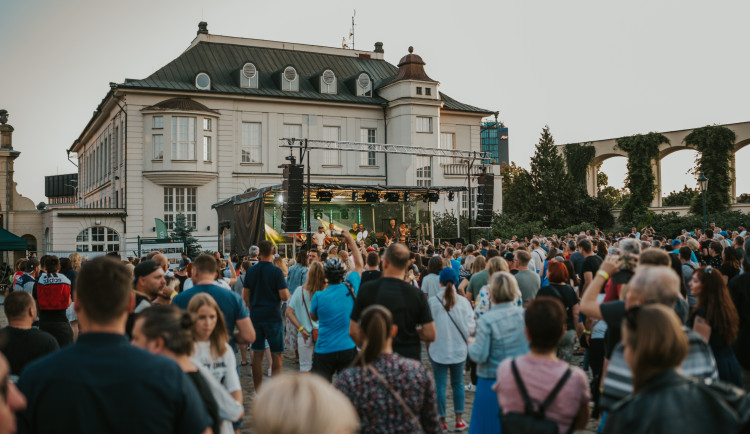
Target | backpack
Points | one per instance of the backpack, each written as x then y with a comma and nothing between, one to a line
533,420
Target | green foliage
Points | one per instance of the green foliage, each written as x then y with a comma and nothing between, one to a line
715,145
642,150
680,198
505,226
671,225
184,232
551,182
743,198
445,223
578,157
518,192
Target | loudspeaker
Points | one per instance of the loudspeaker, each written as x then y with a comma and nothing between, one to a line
293,191
485,195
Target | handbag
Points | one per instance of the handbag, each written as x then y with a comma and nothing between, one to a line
397,396
453,321
532,420
314,333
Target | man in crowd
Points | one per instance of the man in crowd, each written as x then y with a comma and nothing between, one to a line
102,381
52,293
253,255
688,267
264,290
528,281
162,261
537,254
27,281
591,263
408,306
313,256
371,267
21,343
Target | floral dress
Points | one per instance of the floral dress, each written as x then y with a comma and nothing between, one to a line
379,411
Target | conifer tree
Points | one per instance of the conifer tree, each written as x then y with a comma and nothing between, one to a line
551,182
182,231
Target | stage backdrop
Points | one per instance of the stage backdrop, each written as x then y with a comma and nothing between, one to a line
244,217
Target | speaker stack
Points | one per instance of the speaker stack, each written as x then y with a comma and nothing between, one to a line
293,191
485,194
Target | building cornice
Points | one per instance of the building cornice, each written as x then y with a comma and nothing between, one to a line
180,177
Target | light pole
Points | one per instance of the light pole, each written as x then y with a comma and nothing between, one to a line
703,185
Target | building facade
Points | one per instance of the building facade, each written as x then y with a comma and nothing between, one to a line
208,125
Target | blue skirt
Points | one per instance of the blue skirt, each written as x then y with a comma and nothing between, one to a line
485,414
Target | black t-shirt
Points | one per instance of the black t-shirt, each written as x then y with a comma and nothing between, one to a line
182,280
566,295
407,305
370,275
22,347
729,271
612,313
739,289
265,280
592,264
208,398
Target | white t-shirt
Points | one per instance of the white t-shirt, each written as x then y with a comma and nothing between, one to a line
223,369
319,238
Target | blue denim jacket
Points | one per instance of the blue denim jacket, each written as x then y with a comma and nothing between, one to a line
500,334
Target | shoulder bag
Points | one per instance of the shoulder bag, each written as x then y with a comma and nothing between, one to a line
314,332
533,419
397,396
452,320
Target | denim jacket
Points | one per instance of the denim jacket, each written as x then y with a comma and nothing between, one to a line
500,334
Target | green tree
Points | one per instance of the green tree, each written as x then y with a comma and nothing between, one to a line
518,192
680,198
182,231
715,144
552,185
642,150
578,157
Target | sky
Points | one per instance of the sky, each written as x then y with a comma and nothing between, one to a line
589,69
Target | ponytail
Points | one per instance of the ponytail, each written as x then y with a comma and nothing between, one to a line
449,297
375,327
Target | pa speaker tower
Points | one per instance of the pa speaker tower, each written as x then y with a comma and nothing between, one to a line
485,194
292,189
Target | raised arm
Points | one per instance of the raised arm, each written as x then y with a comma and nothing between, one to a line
359,264
589,302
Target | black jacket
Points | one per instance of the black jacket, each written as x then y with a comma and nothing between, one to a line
672,403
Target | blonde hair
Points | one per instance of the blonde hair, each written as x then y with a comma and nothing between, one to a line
478,265
219,337
497,264
281,263
503,287
318,407
75,261
316,278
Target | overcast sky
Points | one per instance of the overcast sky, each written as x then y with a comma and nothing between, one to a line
590,69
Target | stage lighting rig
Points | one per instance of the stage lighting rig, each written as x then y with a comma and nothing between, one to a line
324,196
391,197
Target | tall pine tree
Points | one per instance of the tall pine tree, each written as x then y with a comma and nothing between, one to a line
182,231
551,182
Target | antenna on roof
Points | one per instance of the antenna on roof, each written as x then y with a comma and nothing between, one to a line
344,43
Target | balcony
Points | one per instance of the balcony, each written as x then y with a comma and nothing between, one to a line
459,169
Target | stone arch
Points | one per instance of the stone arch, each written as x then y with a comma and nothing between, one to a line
591,175
30,242
666,150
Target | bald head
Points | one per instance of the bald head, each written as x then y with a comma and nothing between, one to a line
161,261
397,256
653,284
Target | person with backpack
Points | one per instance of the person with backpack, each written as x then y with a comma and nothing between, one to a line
559,289
537,390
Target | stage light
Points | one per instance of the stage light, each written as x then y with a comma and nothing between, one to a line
355,196
318,214
280,199
324,196
451,196
391,197
370,196
407,197
431,197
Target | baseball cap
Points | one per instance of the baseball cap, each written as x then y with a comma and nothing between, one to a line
145,268
31,264
448,274
371,249
723,233
676,241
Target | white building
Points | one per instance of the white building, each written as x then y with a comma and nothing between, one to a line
207,126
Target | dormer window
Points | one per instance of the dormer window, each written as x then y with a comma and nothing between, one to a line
364,85
249,76
290,80
328,82
203,81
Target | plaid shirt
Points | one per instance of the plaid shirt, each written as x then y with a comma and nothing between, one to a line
618,383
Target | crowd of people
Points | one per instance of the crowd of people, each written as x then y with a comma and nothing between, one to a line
147,345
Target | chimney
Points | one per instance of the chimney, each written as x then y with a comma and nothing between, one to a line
6,131
379,47
202,28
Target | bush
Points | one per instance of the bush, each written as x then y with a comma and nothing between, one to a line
671,225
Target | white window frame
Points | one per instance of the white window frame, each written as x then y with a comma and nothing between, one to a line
368,158
249,83
290,86
424,171
424,124
333,157
208,87
251,148
158,122
98,239
448,141
364,91
183,138
465,203
293,131
180,200
206,124
207,148
158,143
330,89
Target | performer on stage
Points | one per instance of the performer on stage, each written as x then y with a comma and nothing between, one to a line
354,230
362,233
403,233
392,234
319,237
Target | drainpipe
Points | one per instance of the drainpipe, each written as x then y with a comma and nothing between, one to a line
124,178
385,134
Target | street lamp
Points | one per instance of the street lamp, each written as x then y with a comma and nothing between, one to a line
703,185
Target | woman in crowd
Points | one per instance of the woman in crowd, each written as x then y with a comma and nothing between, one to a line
298,313
167,331
730,265
715,318
573,279
464,271
316,407
558,288
499,335
298,272
714,254
483,303
540,370
391,394
454,322
551,254
430,281
211,346
663,400
477,265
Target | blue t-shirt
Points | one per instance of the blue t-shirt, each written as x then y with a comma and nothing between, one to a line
333,307
265,280
230,304
456,264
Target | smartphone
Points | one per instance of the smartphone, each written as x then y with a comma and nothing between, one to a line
337,234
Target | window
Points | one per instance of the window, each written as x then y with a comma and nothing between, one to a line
251,142
428,91
98,239
203,81
206,148
290,79
419,90
117,146
331,158
364,85
292,131
117,199
206,124
424,171
328,82
367,135
424,124
158,122
448,141
183,138
158,140
249,76
465,203
179,200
